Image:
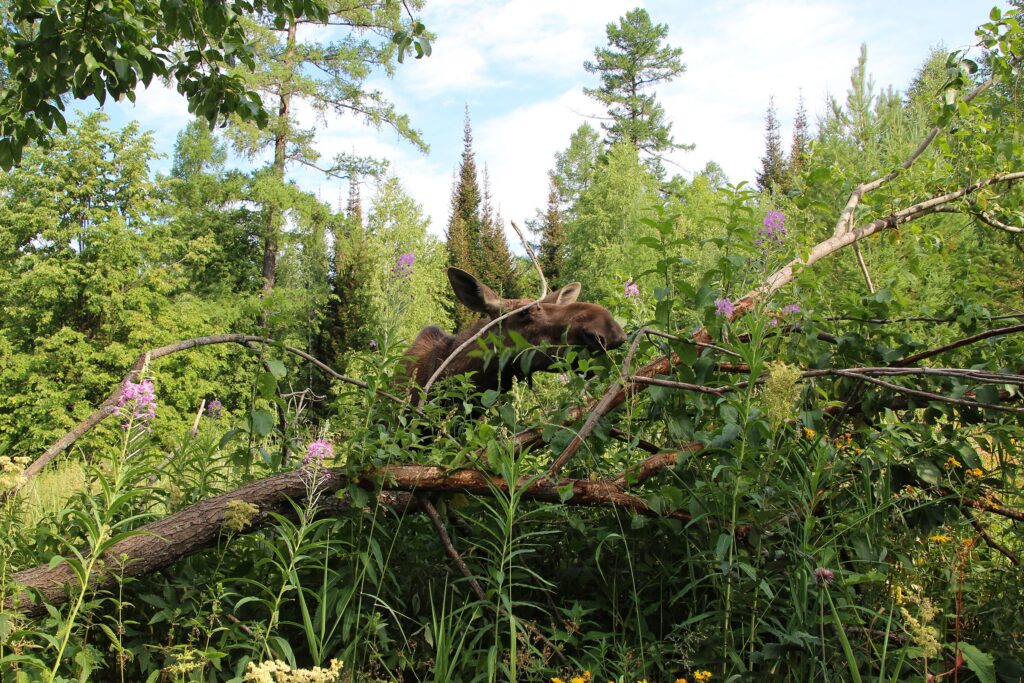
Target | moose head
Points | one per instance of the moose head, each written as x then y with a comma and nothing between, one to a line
555,320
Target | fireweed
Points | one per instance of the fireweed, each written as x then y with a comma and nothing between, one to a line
772,236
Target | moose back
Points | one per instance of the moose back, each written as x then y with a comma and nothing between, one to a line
557,319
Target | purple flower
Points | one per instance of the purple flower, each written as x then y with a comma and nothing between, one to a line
214,408
724,307
373,344
137,401
774,231
403,268
824,575
774,221
631,290
791,308
318,451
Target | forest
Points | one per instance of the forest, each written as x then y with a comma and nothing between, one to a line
803,463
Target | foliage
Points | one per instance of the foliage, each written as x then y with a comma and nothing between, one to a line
475,238
634,61
772,176
823,502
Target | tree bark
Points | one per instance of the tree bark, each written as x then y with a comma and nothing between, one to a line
199,526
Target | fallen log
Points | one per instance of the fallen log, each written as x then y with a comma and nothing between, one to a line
199,526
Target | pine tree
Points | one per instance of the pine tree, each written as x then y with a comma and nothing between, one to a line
497,266
799,148
772,177
465,226
634,61
552,240
349,314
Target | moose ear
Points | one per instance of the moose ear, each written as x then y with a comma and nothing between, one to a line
475,295
565,295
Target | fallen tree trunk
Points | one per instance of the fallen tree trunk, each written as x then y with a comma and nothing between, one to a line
199,526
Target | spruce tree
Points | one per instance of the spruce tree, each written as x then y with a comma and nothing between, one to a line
347,323
463,237
800,146
552,238
496,263
772,176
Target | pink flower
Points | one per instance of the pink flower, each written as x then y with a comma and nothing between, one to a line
631,290
724,307
137,401
318,451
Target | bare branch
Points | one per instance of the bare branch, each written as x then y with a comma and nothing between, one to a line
106,408
845,238
199,526
985,217
987,334
846,216
863,268
480,333
987,538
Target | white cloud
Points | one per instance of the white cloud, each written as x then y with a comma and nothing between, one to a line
519,147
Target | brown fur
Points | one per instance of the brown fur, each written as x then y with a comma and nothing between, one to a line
556,319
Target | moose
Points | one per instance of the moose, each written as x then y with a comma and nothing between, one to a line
556,319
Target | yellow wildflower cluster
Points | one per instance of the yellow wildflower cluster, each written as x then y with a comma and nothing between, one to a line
11,471
239,515
952,463
279,672
810,433
976,473
940,538
701,676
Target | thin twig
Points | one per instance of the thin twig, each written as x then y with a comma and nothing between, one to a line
987,334
480,333
987,538
863,267
106,408
927,394
478,590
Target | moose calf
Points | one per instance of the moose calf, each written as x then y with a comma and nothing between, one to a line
556,319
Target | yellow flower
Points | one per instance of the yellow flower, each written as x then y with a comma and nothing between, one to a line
576,679
586,675
952,462
556,679
976,472
940,538
701,676
810,434
681,680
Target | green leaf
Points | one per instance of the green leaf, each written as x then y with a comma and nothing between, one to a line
277,368
979,662
928,472
262,422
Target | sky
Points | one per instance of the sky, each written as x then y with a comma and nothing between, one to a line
518,66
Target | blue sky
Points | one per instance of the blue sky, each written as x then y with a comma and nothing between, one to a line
518,66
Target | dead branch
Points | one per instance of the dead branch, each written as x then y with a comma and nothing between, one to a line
863,267
199,526
846,216
106,408
987,538
985,217
966,341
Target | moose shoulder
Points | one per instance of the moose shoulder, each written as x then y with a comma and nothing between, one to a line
558,318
